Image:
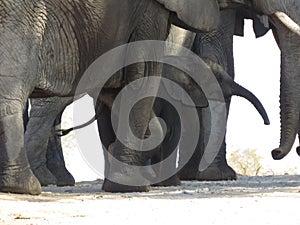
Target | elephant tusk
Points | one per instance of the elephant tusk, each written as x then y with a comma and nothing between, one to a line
288,22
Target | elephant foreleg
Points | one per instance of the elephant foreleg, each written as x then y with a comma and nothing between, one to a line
125,173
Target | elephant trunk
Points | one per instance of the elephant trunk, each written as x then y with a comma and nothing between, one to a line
229,88
289,43
243,92
289,104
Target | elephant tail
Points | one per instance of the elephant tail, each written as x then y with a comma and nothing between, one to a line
64,132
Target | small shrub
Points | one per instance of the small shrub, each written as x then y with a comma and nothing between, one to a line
246,162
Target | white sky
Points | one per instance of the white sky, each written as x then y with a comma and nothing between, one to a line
257,66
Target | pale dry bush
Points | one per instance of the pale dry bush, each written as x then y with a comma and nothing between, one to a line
246,162
249,163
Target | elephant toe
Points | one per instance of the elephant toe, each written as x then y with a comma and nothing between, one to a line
172,181
62,175
20,183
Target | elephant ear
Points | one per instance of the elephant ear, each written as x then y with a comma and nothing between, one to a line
199,14
260,25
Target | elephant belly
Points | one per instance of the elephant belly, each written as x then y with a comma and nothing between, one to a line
76,34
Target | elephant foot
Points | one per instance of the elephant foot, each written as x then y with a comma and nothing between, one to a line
20,183
187,175
172,181
110,186
62,175
44,176
216,173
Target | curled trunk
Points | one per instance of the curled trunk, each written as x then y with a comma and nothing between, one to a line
243,92
229,88
289,43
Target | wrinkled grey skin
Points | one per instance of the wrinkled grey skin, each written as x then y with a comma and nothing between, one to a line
46,46
218,47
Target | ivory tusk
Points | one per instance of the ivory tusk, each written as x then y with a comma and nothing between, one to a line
288,22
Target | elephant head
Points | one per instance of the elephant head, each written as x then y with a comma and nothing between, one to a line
284,15
198,14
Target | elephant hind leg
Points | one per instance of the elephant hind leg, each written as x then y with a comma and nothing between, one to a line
42,115
55,158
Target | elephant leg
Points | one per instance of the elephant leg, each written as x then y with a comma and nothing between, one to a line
189,170
55,157
168,169
219,168
126,154
106,131
15,173
218,47
129,159
42,115
17,74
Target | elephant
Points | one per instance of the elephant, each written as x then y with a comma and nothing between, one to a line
166,112
217,46
46,47
284,20
37,139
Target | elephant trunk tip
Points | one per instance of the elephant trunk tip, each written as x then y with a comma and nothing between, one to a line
267,121
298,150
279,153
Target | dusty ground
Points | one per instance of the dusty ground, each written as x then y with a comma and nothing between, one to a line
250,200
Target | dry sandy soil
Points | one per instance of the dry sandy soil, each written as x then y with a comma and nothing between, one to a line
250,200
